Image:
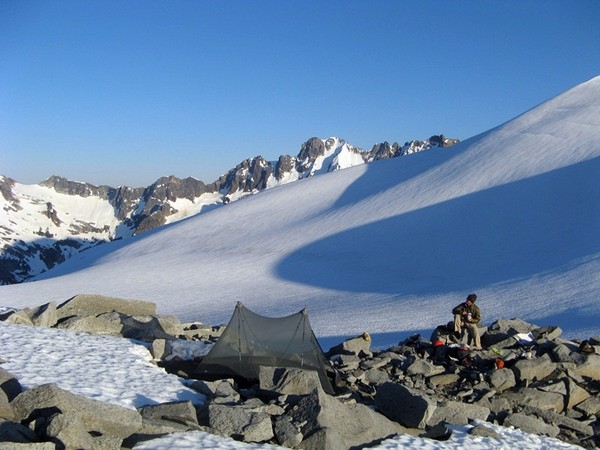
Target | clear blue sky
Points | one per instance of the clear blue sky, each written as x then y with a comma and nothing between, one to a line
123,92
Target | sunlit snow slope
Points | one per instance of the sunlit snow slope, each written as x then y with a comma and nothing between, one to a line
512,214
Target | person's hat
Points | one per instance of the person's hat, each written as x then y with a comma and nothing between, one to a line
472,297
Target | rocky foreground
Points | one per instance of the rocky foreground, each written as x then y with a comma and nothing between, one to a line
525,376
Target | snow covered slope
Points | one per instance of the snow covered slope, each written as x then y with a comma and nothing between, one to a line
512,214
45,224
51,226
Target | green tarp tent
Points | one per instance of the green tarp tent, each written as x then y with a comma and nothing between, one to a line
251,340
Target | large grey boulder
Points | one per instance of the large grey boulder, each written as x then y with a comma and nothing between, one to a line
91,305
98,417
160,348
375,377
561,352
180,412
325,438
347,362
549,401
42,316
92,324
548,333
560,420
509,341
288,380
502,379
7,412
256,404
148,328
589,407
589,367
533,369
499,406
9,387
559,386
408,407
143,328
45,315
327,422
500,333
425,368
458,413
439,432
19,318
531,424
15,432
171,325
511,326
241,422
218,391
444,379
378,362
286,432
70,430
165,418
484,432
359,345
575,393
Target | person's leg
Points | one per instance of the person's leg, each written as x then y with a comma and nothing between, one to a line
458,324
474,338
459,329
477,336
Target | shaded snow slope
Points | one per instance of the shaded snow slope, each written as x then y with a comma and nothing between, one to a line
512,214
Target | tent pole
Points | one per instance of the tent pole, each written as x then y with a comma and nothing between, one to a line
303,337
239,332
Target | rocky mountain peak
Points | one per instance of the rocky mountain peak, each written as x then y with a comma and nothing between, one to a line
6,185
311,149
65,186
108,213
443,141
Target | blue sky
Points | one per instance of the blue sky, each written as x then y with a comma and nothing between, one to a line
123,92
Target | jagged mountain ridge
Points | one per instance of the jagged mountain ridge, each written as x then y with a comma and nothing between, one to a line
45,224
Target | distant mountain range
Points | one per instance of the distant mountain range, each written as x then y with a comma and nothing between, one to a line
43,225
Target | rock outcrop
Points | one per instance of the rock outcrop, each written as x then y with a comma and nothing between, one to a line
526,377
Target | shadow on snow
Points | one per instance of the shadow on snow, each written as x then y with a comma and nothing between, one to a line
508,232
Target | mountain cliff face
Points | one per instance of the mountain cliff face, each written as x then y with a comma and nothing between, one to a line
43,225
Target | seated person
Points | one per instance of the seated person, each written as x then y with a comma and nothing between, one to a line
466,317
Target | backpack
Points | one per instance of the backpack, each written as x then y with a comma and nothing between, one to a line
461,354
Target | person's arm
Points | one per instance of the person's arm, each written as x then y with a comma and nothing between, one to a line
460,309
475,314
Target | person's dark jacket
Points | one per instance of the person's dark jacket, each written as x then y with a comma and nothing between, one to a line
465,309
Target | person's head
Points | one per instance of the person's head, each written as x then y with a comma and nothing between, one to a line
471,298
